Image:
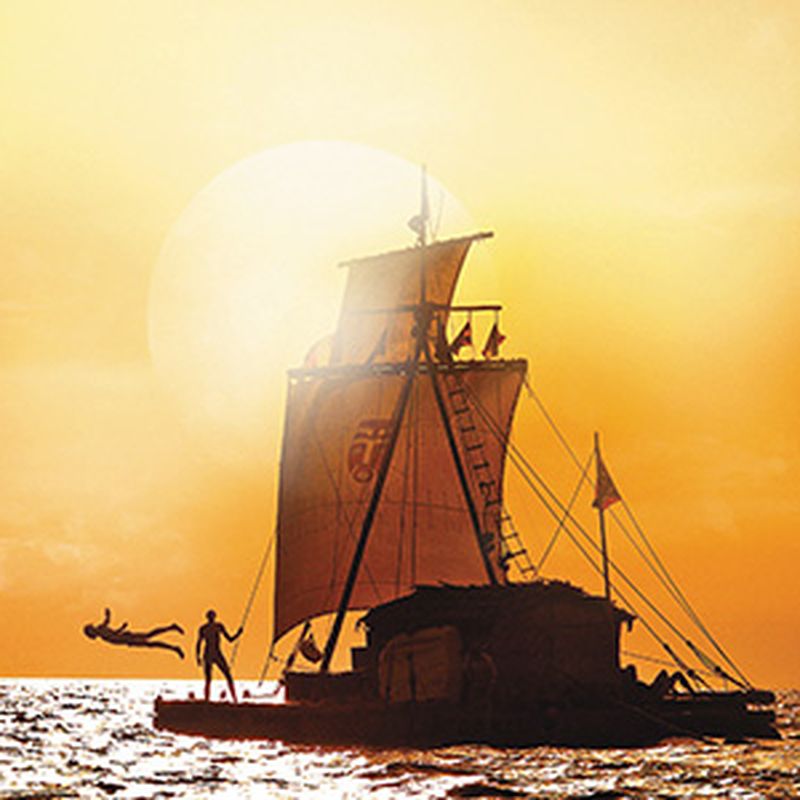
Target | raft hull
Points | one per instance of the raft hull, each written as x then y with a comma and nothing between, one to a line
436,723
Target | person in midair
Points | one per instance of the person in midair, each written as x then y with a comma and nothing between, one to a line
208,641
128,638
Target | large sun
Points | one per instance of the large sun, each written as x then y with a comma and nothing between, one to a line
247,280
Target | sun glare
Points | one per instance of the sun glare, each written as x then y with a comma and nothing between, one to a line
246,280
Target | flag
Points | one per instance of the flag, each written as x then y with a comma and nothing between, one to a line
463,339
309,649
441,347
492,347
320,354
417,224
605,493
380,347
297,646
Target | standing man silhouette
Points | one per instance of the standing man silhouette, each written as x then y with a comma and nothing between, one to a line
208,638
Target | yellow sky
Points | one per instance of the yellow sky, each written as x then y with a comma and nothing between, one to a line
638,162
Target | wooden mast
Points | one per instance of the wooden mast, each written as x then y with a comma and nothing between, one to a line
424,314
423,324
423,320
602,521
462,475
369,516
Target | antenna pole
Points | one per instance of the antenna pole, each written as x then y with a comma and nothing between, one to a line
602,523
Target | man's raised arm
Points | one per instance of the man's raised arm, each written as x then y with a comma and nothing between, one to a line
235,635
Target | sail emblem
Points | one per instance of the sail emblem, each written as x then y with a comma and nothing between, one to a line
365,451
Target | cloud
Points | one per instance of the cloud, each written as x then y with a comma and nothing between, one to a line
769,200
721,210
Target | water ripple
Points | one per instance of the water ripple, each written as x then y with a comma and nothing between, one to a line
94,739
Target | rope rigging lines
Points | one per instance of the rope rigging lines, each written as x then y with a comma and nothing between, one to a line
563,514
553,505
659,569
549,548
254,591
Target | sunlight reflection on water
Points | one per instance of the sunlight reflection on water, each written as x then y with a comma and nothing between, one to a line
82,738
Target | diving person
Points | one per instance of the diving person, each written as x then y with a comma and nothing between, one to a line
128,638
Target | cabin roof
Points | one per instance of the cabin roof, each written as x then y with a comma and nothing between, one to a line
446,604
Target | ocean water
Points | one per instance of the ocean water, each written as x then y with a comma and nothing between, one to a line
95,739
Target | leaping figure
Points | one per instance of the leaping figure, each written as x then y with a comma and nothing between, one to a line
128,638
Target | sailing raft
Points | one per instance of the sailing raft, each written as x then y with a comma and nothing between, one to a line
391,503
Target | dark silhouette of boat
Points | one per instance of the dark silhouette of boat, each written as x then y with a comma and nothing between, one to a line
391,503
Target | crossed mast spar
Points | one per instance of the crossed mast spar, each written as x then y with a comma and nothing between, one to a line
458,419
466,421
425,314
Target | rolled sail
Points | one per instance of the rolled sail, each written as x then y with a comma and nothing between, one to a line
337,427
371,328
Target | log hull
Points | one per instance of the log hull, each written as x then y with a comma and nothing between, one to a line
431,724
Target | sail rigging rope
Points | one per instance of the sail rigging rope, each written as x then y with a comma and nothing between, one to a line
529,474
407,468
662,662
563,519
689,610
415,450
267,661
341,506
656,566
254,590
661,573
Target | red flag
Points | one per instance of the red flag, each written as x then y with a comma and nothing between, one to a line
605,493
297,645
380,348
441,347
417,223
492,347
309,649
320,354
463,339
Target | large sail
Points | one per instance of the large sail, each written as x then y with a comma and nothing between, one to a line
368,331
337,427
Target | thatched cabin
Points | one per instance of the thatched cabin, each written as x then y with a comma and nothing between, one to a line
520,644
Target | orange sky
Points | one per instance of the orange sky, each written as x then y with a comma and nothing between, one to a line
639,164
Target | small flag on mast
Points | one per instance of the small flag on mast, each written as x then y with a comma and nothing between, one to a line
605,492
380,347
492,347
309,649
320,354
441,346
463,339
417,224
298,644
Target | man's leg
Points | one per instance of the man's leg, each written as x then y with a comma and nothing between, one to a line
223,665
163,629
207,672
